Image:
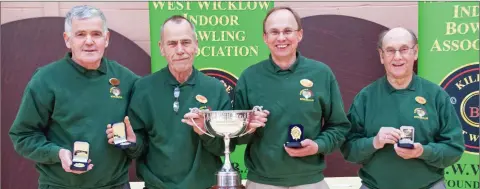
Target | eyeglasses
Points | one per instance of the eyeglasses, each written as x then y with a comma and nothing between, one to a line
276,33
176,94
403,50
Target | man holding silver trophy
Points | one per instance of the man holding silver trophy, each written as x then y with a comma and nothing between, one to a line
405,131
170,154
299,93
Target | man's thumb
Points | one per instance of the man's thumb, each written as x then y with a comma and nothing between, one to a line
305,142
127,122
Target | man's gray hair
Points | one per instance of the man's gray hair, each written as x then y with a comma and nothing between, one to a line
177,19
84,12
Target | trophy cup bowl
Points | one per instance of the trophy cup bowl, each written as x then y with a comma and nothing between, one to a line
227,124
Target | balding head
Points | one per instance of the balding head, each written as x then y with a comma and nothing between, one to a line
177,20
397,33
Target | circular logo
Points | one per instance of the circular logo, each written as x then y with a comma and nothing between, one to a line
228,79
420,100
306,83
201,99
307,93
114,81
420,112
115,91
462,85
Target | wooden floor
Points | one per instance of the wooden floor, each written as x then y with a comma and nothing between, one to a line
333,183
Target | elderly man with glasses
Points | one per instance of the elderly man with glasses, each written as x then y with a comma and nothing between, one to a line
72,99
306,119
401,98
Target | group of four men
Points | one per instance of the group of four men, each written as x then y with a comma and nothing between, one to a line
71,100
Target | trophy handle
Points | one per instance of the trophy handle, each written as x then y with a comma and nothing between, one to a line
196,110
254,109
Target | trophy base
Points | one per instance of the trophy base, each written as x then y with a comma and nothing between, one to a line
228,187
228,179
405,145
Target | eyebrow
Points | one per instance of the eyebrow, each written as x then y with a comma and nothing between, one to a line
81,31
283,28
401,45
181,40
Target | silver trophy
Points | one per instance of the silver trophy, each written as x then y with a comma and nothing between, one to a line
227,124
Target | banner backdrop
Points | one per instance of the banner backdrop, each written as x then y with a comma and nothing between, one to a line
449,56
229,36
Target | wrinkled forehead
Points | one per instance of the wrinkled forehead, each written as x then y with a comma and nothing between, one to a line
398,38
88,24
177,31
280,20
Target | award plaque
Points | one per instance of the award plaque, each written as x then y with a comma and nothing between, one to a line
407,137
295,136
80,156
227,124
120,136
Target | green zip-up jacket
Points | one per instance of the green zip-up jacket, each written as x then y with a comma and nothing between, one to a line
436,124
171,155
281,93
63,103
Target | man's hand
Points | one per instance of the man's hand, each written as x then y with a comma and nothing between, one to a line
309,147
198,119
66,159
128,131
257,120
386,135
406,153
